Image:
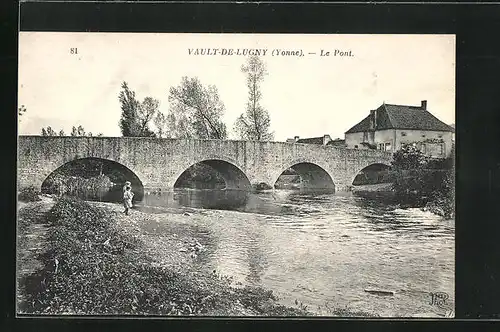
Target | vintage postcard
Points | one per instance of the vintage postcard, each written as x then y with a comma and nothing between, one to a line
236,175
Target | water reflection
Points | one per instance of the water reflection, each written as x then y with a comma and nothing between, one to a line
197,198
378,214
272,202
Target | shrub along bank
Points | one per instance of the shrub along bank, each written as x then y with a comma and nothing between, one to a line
90,267
94,187
423,182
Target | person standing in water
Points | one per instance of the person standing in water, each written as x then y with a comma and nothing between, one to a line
127,198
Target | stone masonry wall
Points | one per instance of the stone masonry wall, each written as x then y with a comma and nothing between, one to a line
159,162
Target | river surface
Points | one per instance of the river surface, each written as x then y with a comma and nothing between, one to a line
325,250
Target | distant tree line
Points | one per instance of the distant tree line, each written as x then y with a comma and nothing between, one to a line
75,131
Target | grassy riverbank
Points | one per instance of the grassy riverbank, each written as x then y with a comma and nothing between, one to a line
90,264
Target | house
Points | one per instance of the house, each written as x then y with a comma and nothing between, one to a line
321,140
340,143
390,127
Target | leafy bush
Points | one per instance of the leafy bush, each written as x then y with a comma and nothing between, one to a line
95,187
201,176
424,182
408,157
29,194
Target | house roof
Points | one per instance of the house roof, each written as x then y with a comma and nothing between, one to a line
312,140
336,142
391,116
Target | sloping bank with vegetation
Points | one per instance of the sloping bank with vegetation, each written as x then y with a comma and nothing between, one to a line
417,181
91,267
425,182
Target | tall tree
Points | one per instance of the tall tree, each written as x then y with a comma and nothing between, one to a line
136,116
161,125
74,132
130,108
44,132
61,133
196,110
179,125
255,123
149,107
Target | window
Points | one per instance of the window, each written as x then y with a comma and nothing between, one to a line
422,148
384,146
440,136
355,146
403,133
441,149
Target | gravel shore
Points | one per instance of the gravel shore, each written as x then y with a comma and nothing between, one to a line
168,236
166,244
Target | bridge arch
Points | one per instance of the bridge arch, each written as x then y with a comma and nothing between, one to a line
369,171
94,166
233,175
314,175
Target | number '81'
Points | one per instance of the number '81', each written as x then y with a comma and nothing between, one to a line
73,50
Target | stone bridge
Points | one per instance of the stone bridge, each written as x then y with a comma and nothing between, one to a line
158,163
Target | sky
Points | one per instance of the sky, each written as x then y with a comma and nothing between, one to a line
306,96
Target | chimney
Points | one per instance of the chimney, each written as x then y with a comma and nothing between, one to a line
296,138
373,119
423,105
326,139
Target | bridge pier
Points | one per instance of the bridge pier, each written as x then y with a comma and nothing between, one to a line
31,178
343,188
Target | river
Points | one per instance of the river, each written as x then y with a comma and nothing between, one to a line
327,249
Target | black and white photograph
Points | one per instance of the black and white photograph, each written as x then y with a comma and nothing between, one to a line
236,174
